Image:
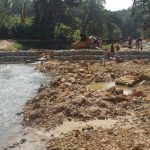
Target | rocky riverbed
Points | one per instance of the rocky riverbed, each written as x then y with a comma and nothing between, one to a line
75,116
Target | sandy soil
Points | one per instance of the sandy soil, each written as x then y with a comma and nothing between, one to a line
74,116
66,114
69,114
5,44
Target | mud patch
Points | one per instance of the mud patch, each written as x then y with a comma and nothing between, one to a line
69,126
102,86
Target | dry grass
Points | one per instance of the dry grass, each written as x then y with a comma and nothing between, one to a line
10,45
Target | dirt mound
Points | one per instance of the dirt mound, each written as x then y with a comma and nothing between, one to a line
10,45
67,96
5,44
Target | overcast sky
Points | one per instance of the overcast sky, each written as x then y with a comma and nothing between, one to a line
118,4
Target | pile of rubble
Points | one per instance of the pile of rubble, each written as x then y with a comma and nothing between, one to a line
103,139
67,97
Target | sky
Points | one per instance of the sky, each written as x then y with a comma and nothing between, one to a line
114,5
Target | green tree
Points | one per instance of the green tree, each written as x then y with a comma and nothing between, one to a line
22,8
141,6
4,11
141,11
49,14
92,16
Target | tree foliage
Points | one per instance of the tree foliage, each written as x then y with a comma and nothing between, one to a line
141,6
65,19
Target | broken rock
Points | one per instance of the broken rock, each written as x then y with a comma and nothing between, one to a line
128,81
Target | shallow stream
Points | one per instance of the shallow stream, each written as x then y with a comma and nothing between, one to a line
18,83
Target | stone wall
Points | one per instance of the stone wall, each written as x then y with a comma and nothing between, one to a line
14,57
70,55
130,55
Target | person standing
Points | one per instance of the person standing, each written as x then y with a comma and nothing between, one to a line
130,42
139,43
117,48
112,48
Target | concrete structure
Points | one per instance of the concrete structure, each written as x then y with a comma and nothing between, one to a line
17,57
71,55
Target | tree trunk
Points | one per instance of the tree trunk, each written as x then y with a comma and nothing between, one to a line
23,12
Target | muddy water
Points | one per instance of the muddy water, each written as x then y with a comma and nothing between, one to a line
18,83
106,85
69,126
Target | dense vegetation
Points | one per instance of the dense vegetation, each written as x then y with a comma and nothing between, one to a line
65,19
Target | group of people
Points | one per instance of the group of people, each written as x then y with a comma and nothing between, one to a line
93,42
138,43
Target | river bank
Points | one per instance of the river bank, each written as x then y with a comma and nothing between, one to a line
66,107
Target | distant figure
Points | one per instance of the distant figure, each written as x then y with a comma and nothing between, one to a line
96,42
130,42
117,48
99,42
139,44
112,48
93,42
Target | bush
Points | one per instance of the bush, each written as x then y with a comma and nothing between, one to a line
4,32
21,31
62,32
76,35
